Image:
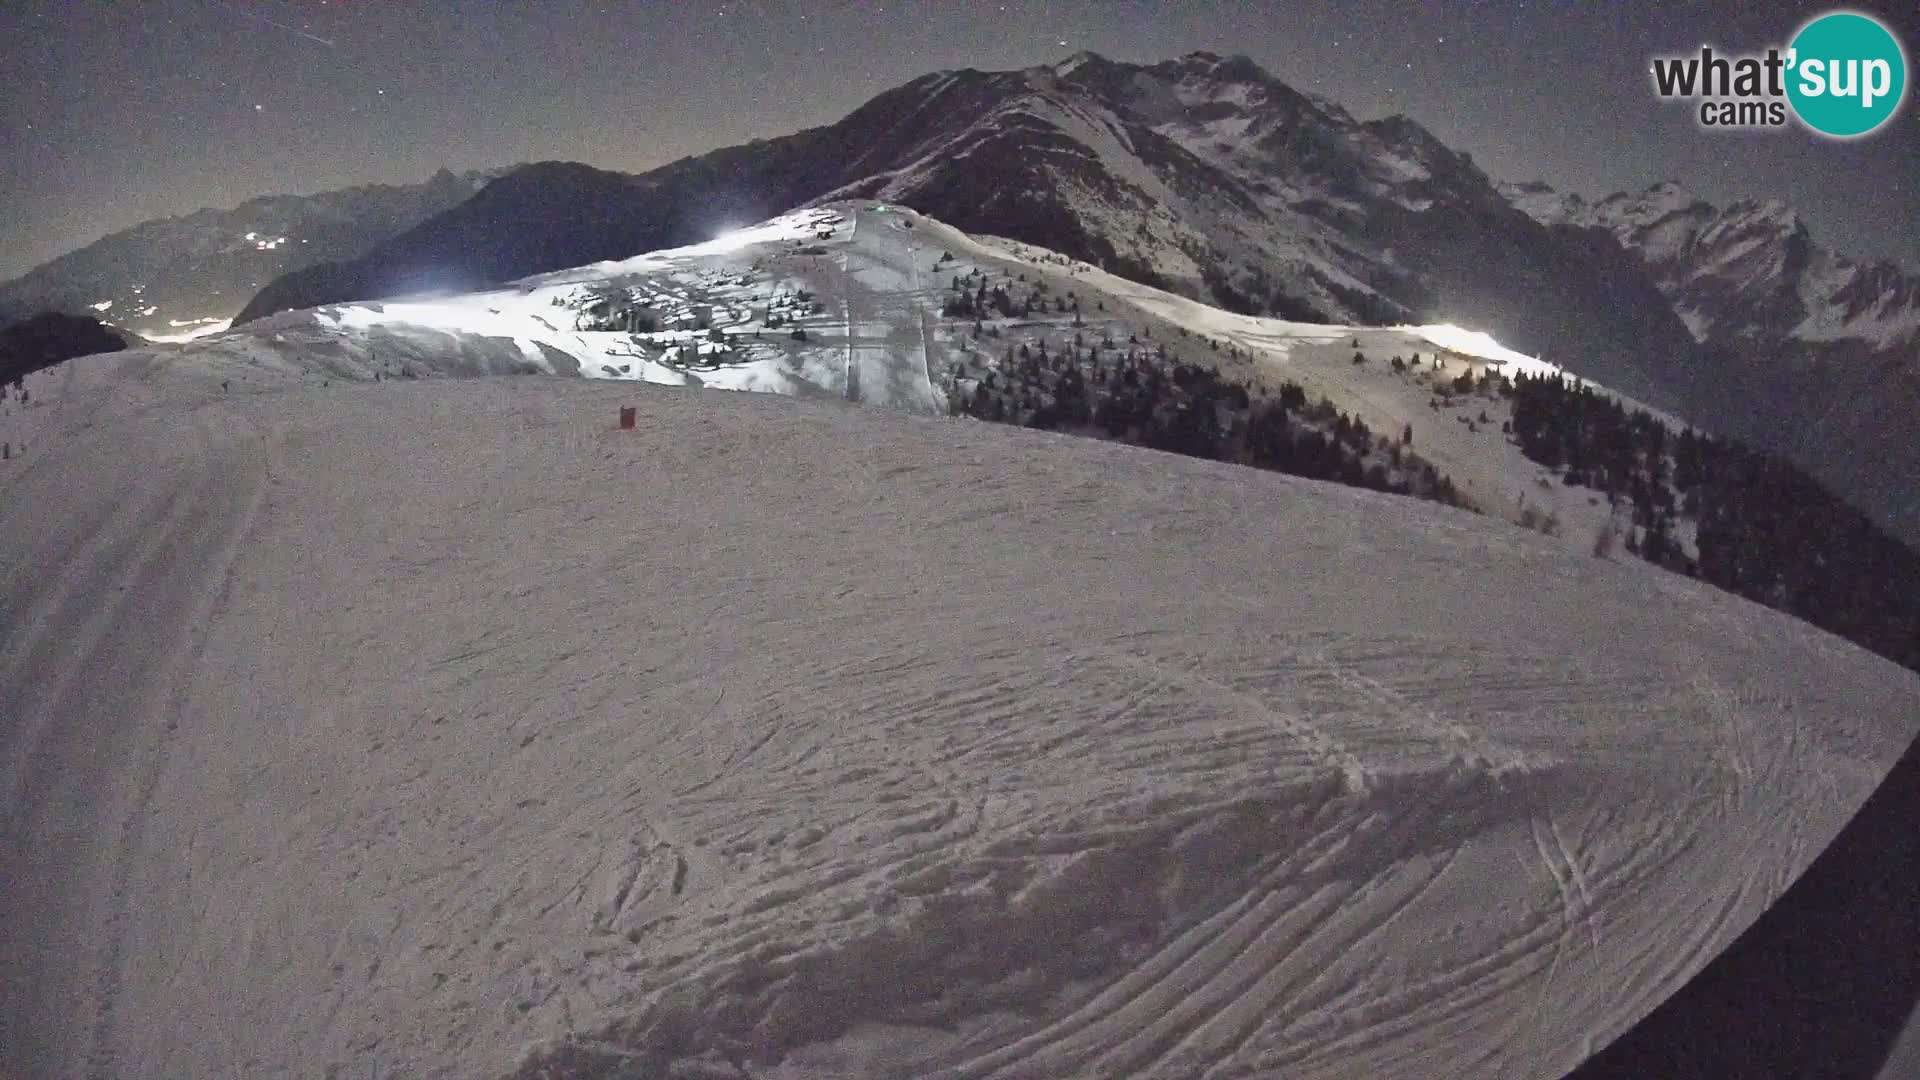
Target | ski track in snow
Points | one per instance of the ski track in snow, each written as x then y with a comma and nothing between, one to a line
427,728
125,612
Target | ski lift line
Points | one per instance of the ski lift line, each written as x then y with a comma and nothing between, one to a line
850,378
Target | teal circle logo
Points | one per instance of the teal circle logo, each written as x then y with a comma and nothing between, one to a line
1846,74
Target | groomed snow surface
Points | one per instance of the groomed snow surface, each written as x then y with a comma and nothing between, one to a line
436,729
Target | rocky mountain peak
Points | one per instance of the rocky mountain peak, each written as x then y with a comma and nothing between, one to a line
1770,214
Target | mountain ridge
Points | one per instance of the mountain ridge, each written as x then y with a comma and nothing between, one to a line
1807,352
170,276
1203,174
1748,272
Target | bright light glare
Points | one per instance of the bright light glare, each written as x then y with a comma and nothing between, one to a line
1480,344
1472,342
730,240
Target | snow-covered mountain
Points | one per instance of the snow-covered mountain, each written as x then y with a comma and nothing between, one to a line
850,299
1209,177
379,727
1746,274
173,277
1205,175
1808,353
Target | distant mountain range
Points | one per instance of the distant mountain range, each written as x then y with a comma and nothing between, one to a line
1804,351
1207,176
1748,274
172,276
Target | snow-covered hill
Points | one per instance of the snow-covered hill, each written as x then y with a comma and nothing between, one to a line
845,300
1209,176
1216,180
438,728
1204,174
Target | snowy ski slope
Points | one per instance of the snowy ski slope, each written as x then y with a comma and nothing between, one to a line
434,728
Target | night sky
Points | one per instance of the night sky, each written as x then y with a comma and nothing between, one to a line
114,113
